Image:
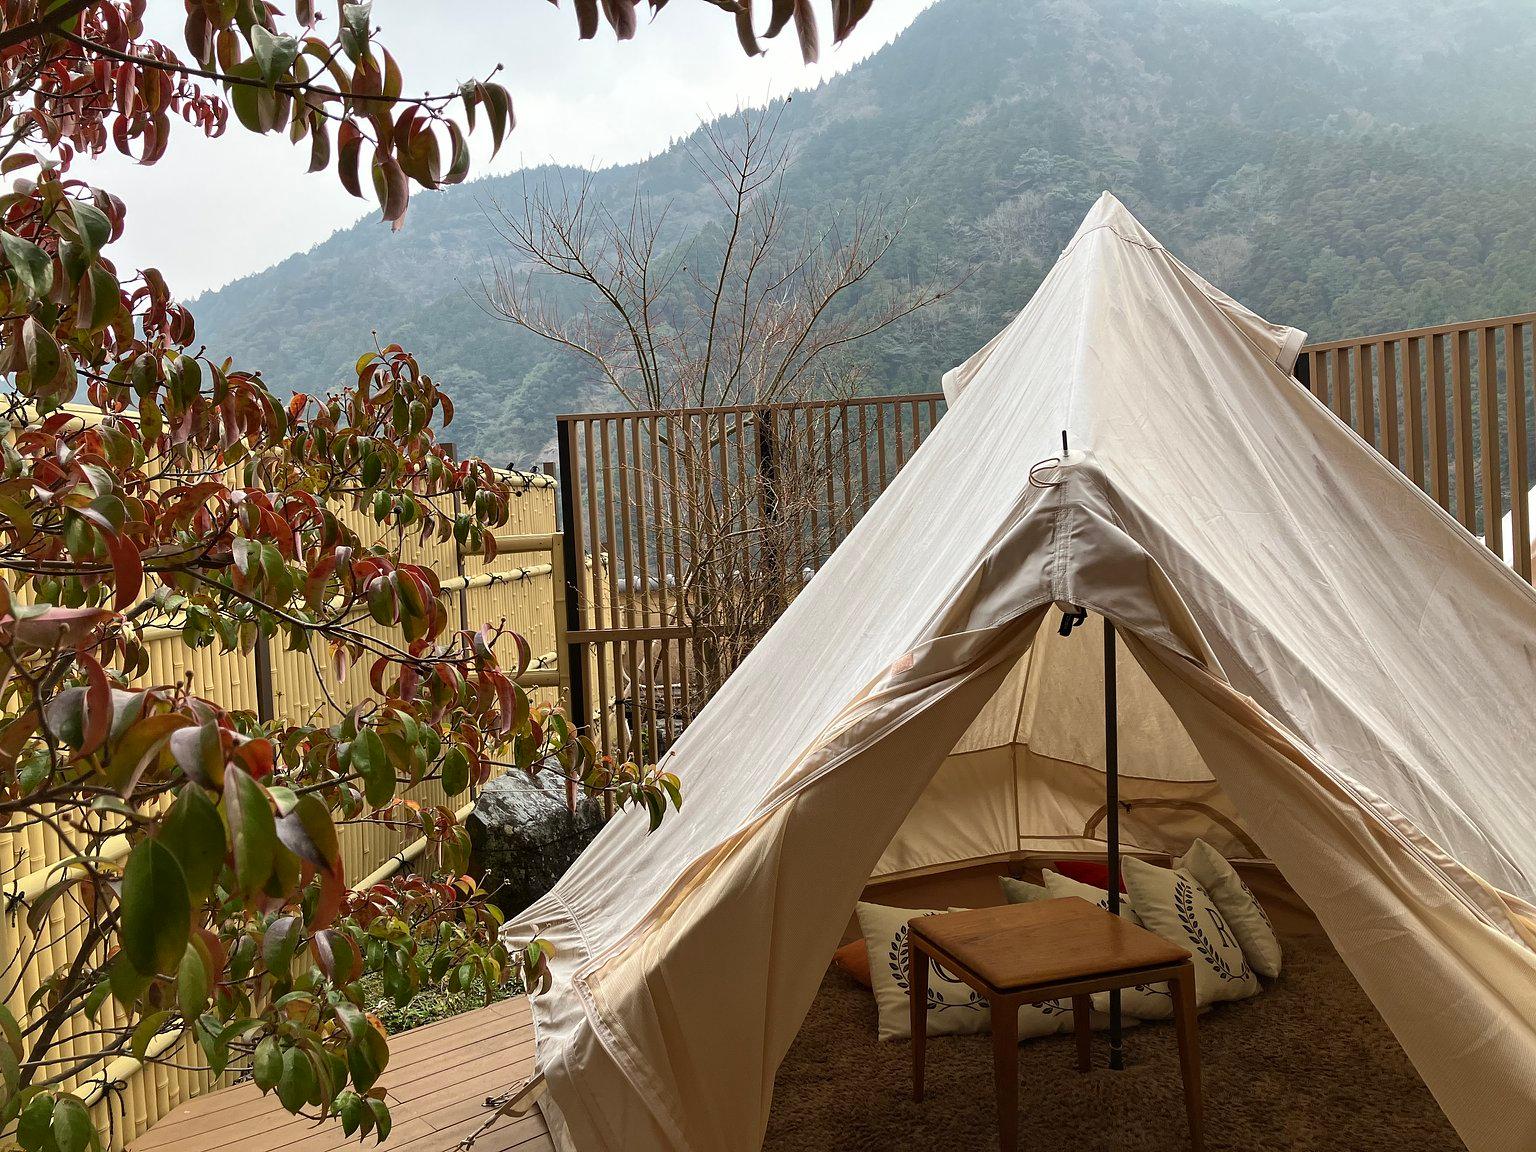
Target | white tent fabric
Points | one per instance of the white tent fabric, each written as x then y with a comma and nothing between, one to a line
1327,656
1507,536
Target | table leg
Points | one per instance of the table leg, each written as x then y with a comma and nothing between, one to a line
1005,1070
917,981
1189,1053
1082,1025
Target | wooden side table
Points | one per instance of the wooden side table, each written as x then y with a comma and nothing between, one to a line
1052,949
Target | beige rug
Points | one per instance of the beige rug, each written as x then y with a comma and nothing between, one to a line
1307,1066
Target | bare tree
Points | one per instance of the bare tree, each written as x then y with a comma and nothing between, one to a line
748,311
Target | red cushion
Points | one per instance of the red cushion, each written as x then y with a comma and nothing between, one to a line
1087,872
854,960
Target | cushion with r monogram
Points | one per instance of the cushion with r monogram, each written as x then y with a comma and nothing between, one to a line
1239,906
1171,902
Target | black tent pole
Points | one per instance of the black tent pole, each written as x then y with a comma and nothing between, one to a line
1112,818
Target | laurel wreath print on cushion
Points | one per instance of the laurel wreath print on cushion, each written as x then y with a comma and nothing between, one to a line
1257,907
941,984
1184,904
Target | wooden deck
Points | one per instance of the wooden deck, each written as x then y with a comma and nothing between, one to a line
438,1079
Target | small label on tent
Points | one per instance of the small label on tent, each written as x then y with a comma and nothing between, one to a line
902,664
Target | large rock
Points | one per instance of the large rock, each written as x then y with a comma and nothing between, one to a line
523,837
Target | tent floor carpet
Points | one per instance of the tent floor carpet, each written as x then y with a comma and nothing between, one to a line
1306,1065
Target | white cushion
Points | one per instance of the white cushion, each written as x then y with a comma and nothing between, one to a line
1022,891
1239,907
954,1008
1144,1001
1172,903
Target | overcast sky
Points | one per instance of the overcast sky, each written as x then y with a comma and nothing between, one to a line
215,210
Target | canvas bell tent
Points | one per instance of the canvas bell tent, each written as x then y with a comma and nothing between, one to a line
1318,664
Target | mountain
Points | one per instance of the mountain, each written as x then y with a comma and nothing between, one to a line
1346,166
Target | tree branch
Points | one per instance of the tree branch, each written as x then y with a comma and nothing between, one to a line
32,29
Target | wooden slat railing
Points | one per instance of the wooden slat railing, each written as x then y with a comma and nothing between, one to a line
1451,406
710,521
702,523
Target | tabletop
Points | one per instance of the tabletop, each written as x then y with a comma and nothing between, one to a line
1044,942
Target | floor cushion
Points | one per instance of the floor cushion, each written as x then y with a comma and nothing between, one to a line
1094,872
954,1008
1172,903
854,959
1239,907
1144,1001
1022,891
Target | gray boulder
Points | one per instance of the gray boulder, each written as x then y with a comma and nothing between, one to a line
523,837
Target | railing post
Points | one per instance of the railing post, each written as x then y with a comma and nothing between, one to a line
562,644
768,505
574,655
261,659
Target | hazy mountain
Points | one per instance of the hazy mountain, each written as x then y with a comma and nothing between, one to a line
1342,165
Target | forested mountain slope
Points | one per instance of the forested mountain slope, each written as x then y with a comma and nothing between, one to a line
1342,165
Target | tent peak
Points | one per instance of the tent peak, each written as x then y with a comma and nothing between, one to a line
1108,212
1279,344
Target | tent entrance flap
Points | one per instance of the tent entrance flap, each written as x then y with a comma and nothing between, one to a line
1029,775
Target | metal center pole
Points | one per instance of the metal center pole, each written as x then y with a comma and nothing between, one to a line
1112,819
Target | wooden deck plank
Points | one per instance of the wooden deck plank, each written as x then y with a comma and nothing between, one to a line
411,1107
449,1109
507,1134
407,1049
439,1037
240,1105
262,1127
266,1128
438,1080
